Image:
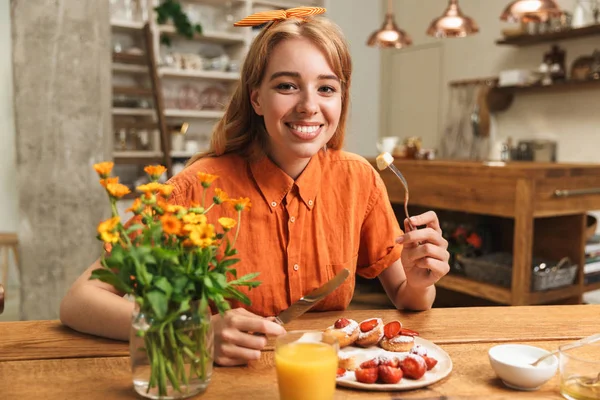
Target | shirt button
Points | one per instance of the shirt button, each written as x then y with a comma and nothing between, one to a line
292,219
296,267
274,204
310,202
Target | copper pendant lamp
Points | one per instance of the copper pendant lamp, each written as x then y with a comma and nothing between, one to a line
389,35
453,23
530,10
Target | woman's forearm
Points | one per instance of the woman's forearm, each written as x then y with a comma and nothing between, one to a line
95,307
417,299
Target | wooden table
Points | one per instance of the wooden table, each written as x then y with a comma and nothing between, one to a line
45,360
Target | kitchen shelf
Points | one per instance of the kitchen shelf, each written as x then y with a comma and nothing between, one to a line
126,26
216,3
529,40
129,68
224,38
558,86
592,286
280,3
126,58
187,73
132,91
206,114
133,111
137,157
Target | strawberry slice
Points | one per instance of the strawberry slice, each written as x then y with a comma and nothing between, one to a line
391,329
430,361
366,375
341,372
368,325
341,323
373,363
408,332
389,375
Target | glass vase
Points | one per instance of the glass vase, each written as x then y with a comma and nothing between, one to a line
173,358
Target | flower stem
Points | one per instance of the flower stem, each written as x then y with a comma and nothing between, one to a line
237,230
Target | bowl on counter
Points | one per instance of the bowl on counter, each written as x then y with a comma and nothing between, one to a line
511,362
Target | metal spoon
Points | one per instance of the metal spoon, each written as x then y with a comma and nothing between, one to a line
581,342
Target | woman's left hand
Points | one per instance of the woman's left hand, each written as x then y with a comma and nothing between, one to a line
425,254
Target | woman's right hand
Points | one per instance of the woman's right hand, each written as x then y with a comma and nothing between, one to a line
235,343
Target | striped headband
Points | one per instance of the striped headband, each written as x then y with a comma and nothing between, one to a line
260,18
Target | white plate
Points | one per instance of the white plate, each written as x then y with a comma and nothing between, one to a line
440,371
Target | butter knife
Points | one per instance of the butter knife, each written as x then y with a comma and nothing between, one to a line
309,300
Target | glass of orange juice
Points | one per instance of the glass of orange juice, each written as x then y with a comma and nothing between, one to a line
580,372
306,364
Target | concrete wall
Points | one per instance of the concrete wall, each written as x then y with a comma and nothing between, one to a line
62,98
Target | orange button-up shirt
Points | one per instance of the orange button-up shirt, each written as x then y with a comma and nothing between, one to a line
299,234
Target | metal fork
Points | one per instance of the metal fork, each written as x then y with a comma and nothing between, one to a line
397,172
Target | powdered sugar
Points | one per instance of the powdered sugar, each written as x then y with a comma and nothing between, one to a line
384,358
350,328
416,357
402,339
419,350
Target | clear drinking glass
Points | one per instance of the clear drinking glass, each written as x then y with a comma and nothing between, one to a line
580,372
306,364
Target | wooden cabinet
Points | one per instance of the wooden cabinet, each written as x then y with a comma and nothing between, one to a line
539,207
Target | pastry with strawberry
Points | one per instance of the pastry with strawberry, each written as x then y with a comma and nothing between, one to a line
396,338
345,331
370,332
381,369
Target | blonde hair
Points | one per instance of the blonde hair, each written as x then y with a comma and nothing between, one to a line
241,130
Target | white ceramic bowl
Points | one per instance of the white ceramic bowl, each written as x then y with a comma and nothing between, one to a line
511,364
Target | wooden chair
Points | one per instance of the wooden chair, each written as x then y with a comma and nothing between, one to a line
8,242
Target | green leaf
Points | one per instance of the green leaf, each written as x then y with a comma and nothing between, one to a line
208,282
158,303
179,283
219,280
228,263
163,284
107,276
166,255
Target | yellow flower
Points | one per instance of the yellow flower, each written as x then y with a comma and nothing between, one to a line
166,190
155,171
172,208
105,182
196,219
220,196
107,228
227,223
103,169
241,204
117,190
149,187
203,235
170,224
135,207
206,179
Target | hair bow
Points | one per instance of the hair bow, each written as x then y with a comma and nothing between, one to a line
260,18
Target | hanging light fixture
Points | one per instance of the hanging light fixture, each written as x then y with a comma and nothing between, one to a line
389,36
453,23
530,10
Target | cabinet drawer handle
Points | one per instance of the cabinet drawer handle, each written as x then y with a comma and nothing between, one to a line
575,192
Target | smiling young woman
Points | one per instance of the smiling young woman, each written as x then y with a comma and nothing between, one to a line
315,208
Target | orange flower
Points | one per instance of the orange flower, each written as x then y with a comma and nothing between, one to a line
136,207
170,224
103,169
117,190
241,204
155,171
227,223
220,196
206,179
105,182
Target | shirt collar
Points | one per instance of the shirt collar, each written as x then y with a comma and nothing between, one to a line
274,184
